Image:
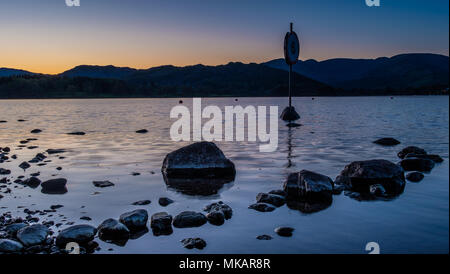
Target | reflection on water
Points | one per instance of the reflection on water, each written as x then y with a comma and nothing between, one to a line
334,132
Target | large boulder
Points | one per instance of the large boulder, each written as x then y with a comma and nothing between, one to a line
198,160
189,219
161,224
308,186
308,191
80,234
10,246
197,169
411,149
33,235
135,220
417,164
360,175
113,230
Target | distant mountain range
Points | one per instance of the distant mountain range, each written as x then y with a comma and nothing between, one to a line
401,74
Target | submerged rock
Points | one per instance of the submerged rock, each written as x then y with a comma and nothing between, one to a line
272,199
135,220
113,230
55,151
189,219
387,142
164,201
289,114
417,164
284,231
191,243
264,237
81,234
411,149
360,175
262,207
54,186
161,224
32,235
102,183
414,176
198,160
10,246
142,202
434,157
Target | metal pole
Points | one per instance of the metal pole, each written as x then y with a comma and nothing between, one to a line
290,98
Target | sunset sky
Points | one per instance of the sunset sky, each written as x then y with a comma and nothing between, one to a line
47,36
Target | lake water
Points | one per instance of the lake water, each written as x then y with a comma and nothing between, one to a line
335,132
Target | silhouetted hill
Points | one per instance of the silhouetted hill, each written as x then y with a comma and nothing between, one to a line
233,79
400,72
6,72
107,72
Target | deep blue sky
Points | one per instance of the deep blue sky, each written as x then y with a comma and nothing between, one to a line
52,37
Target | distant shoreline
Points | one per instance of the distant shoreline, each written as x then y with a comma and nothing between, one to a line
190,97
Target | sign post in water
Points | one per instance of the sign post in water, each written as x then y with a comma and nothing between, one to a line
291,53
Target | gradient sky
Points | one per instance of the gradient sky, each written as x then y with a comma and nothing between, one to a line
49,37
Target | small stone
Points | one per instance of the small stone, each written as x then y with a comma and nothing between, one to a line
76,133
86,218
264,237
24,165
135,220
142,202
142,131
112,229
272,199
411,149
164,201
387,142
191,243
414,176
36,130
262,207
81,234
417,164
189,219
284,231
161,223
102,183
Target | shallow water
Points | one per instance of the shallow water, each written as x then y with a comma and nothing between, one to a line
335,131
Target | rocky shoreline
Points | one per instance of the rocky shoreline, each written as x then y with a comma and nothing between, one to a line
197,169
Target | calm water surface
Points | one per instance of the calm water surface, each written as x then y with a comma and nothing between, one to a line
335,132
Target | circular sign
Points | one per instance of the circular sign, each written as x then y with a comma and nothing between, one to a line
291,48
